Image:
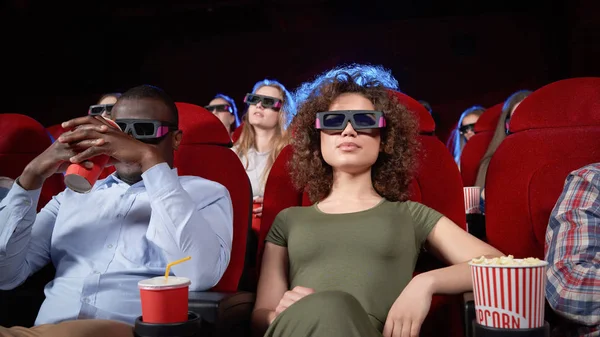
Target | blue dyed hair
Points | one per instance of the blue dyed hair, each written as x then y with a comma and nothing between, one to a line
362,74
289,104
231,102
460,140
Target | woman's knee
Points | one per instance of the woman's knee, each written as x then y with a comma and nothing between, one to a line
324,302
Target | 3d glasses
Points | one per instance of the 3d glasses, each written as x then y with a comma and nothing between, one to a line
98,109
466,128
360,119
219,108
266,101
146,130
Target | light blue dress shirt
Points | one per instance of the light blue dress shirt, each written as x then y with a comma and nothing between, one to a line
103,242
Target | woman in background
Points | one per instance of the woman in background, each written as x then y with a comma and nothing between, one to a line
464,131
264,134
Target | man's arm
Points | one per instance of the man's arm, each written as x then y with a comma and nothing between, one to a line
573,249
24,237
200,226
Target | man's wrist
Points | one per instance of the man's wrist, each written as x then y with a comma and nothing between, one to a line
30,180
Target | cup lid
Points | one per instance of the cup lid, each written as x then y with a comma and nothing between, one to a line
159,282
77,183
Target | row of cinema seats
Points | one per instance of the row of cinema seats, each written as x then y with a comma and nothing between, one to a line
554,131
557,130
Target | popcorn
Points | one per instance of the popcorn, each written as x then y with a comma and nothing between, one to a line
509,292
507,261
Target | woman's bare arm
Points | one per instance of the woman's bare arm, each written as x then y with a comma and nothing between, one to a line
453,245
272,285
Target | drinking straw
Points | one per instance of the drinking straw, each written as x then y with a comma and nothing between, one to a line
174,263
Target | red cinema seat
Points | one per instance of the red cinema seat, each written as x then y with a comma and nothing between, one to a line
237,133
555,130
478,144
205,152
437,185
21,140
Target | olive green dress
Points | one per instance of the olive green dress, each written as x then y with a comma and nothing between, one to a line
358,263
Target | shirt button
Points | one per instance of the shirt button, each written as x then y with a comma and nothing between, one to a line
109,246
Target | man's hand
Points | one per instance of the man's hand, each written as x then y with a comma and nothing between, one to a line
55,159
96,136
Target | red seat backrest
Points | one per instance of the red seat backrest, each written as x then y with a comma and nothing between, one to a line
205,152
21,140
237,133
475,148
437,185
555,131
426,123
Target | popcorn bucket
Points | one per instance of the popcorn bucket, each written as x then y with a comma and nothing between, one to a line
509,293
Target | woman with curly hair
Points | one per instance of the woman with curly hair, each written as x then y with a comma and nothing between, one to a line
343,267
264,133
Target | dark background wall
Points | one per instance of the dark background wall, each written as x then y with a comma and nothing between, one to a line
60,58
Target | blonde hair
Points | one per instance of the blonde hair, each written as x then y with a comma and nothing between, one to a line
281,138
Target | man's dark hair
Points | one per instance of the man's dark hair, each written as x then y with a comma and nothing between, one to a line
152,92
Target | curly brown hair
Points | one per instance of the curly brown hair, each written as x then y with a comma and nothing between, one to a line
396,164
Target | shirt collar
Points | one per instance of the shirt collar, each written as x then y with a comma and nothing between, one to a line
113,178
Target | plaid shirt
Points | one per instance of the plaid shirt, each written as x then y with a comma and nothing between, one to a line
573,253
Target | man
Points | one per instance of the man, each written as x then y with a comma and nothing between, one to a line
127,228
573,253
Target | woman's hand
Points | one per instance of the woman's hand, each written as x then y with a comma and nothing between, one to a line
409,310
290,297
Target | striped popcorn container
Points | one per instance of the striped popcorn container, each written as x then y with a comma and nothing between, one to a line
509,296
472,196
